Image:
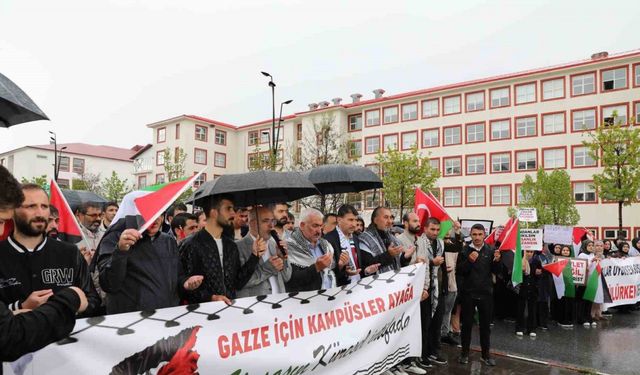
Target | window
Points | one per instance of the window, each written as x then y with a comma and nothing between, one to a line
583,84
389,142
409,140
614,79
526,160
526,126
375,168
279,132
221,137
453,166
452,197
63,162
612,234
614,114
475,132
253,138
500,129
475,196
525,93
475,164
201,133
220,160
252,160
636,74
372,145
451,105
200,156
200,180
162,135
501,195
160,178
452,135
501,163
390,115
142,182
553,89
78,166
409,111
355,199
636,111
582,158
430,108
265,135
435,164
160,157
355,149
475,101
298,156
584,192
499,97
299,131
554,158
371,199
582,120
355,124
519,195
553,123
177,131
430,138
372,117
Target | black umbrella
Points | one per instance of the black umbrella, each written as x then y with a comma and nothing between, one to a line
339,178
75,198
259,187
15,106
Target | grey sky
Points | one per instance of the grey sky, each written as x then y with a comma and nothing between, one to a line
103,69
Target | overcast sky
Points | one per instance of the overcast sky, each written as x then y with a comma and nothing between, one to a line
103,69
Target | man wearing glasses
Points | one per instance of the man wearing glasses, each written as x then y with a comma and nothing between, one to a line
89,216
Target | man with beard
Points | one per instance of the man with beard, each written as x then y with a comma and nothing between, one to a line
281,216
141,271
31,330
215,256
184,225
110,210
240,223
381,247
53,222
89,216
34,267
359,226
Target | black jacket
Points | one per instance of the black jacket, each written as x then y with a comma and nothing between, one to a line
333,238
200,256
148,276
31,331
476,277
52,265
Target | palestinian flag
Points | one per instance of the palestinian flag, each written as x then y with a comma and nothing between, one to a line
562,277
511,242
68,228
593,291
578,235
426,206
491,238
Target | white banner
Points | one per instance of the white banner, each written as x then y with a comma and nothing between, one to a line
359,329
531,239
622,278
528,215
558,234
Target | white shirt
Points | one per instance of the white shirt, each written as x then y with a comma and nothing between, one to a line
219,246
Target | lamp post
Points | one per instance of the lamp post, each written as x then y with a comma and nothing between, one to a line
54,139
59,158
277,136
273,115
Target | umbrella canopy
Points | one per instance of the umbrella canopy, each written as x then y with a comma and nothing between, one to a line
259,187
15,106
77,197
339,178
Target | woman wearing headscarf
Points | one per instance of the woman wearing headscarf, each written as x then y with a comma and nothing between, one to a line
553,295
545,284
596,308
583,307
608,249
566,305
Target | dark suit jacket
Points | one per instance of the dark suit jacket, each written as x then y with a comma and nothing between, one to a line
334,239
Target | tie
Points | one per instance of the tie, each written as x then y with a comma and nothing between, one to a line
355,254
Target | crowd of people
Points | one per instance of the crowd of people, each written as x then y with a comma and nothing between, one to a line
224,252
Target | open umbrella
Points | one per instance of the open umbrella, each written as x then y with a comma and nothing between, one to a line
259,187
15,106
339,178
75,198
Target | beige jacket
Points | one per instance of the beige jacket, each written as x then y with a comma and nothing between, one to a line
407,239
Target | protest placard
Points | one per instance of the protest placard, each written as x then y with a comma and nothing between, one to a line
558,234
531,239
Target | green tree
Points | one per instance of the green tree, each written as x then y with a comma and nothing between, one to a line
41,181
174,164
552,197
404,172
114,188
617,147
265,160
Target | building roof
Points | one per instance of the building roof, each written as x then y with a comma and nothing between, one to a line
100,151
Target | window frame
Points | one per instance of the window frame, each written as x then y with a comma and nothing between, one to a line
437,159
164,179
564,121
402,148
366,119
178,131
573,158
350,145
261,132
564,88
140,177
401,115
215,135
349,129
444,99
633,74
444,194
61,167
466,164
554,148
384,121
437,100
492,204
515,160
444,129
492,154
595,115
484,132
491,90
595,82
390,135
422,131
484,195
257,139
73,165
625,104
366,152
535,92
195,153
164,128
508,120
635,110
215,154
206,133
573,191
515,126
626,74
444,166
202,176
158,153
466,101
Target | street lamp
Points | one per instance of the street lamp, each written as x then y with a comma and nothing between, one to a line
54,139
277,136
273,117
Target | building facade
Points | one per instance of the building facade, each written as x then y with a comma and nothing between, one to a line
484,135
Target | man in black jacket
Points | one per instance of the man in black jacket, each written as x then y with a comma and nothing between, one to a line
34,267
475,265
216,256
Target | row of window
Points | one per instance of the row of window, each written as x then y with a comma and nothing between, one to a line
264,135
78,164
201,134
524,93
199,157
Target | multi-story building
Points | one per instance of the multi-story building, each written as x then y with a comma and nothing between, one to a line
75,160
483,135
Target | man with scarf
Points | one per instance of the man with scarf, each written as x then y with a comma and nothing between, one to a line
441,275
379,246
310,255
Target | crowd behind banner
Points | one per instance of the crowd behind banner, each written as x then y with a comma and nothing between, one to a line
223,252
